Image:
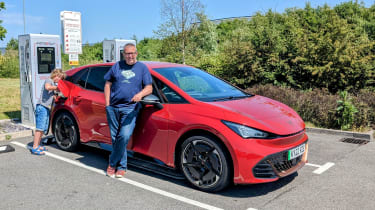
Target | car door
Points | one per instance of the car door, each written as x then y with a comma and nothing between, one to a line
151,134
89,103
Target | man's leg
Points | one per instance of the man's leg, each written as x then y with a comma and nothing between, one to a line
113,118
126,130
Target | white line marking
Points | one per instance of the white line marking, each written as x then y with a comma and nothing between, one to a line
137,184
310,164
3,148
324,168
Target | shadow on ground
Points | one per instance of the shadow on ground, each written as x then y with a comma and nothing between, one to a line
13,114
98,158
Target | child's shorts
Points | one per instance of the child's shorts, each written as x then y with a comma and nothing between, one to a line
41,118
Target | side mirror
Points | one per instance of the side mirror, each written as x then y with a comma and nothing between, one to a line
152,100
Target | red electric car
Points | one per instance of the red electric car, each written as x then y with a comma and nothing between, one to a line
210,131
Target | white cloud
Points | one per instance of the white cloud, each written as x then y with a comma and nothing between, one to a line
17,19
8,6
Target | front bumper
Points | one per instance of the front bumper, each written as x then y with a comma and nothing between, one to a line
261,161
278,165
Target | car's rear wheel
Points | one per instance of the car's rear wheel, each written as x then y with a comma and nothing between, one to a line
66,132
204,163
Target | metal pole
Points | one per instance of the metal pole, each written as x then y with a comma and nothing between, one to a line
24,20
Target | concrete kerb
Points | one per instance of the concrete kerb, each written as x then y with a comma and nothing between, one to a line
366,136
27,131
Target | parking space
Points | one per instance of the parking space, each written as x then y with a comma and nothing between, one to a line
335,171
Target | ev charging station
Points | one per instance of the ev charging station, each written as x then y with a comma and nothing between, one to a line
39,54
113,49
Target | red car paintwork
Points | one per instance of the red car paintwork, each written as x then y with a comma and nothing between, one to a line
159,131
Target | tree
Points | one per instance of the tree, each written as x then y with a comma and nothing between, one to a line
179,16
3,31
12,44
148,49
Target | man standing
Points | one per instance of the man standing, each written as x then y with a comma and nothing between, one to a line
127,82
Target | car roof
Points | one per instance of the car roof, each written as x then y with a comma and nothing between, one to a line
149,64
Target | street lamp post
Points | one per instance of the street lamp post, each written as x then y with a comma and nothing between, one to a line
24,20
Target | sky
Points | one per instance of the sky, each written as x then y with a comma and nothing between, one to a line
122,19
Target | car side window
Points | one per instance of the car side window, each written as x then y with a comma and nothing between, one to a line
75,77
81,81
168,93
95,80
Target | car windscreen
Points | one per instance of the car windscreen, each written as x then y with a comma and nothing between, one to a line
201,85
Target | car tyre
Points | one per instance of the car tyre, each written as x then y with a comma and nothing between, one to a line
66,132
204,163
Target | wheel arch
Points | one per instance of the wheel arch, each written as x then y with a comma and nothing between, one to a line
58,113
196,132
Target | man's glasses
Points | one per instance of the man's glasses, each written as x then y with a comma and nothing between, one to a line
131,53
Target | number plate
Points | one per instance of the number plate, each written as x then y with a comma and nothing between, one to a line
296,152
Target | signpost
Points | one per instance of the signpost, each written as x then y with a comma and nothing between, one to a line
73,59
72,35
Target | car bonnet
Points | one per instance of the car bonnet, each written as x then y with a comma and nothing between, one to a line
263,113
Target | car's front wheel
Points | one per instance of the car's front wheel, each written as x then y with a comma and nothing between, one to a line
66,132
204,163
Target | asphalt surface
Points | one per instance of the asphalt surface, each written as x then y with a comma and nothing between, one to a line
339,176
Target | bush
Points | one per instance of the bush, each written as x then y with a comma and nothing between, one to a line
9,64
319,107
345,111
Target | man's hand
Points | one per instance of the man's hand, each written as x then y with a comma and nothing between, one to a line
137,97
146,91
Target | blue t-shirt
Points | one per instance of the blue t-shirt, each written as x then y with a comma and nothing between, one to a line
126,82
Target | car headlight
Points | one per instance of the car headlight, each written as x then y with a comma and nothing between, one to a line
247,132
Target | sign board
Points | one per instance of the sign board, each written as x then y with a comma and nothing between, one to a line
72,32
73,60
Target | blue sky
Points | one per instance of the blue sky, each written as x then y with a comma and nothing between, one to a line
121,19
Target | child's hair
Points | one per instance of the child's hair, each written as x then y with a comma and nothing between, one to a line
57,73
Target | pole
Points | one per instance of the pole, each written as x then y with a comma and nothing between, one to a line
24,20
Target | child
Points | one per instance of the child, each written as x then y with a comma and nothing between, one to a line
42,110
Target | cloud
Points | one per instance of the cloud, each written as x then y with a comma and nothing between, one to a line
8,6
17,19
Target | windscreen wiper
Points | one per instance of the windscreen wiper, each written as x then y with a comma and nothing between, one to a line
231,98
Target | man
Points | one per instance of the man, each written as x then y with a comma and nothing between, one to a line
127,82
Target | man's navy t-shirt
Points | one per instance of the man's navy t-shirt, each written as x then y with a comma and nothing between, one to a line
126,82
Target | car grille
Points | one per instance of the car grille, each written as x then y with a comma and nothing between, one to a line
274,164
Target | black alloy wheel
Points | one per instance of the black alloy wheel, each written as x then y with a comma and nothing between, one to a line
66,132
204,163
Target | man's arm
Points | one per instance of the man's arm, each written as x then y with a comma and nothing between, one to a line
107,93
147,90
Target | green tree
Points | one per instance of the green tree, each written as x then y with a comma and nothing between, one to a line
12,44
179,16
3,31
203,47
149,48
302,48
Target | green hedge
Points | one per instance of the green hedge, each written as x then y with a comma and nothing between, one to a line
319,107
9,64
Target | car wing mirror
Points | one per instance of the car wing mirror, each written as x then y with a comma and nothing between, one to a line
152,100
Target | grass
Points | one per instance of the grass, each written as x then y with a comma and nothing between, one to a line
10,101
